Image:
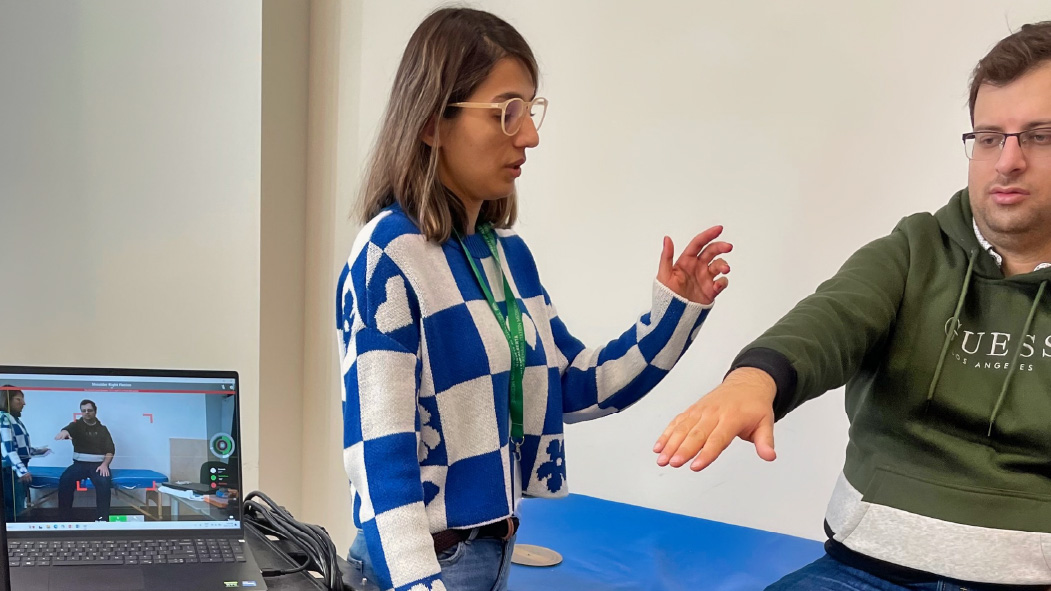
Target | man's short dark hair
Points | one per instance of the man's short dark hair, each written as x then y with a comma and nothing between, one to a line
1012,58
94,407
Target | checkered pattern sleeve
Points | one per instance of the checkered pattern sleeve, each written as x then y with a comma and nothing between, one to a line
601,381
12,451
379,328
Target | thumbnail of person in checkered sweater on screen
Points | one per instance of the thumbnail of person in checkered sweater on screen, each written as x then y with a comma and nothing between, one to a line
458,373
15,476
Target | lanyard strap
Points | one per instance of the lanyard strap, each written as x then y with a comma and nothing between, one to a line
511,325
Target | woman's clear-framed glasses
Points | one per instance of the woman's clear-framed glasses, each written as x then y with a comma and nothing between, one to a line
513,112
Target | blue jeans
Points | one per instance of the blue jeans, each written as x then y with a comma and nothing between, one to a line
828,574
14,494
476,564
67,484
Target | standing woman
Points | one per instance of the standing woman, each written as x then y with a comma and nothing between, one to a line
458,374
16,452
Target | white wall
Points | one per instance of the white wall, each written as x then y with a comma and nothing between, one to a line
333,155
282,291
806,128
129,188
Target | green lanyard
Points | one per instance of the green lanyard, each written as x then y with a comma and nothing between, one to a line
511,326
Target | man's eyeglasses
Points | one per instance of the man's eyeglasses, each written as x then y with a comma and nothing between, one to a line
987,145
513,112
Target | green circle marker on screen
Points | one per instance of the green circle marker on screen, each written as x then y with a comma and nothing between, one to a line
221,445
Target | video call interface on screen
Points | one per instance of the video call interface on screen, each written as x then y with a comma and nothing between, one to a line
119,452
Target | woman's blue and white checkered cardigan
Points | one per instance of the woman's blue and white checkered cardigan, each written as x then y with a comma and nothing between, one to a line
425,387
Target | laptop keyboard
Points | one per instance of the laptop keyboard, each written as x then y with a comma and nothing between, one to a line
113,552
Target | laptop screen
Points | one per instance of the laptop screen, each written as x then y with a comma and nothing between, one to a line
119,450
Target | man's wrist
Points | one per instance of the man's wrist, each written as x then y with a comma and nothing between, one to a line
755,377
776,366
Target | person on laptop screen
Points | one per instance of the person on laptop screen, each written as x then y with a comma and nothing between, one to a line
92,454
16,451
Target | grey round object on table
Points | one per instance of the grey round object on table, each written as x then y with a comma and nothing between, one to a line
529,555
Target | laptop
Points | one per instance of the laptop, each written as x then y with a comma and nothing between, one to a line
136,480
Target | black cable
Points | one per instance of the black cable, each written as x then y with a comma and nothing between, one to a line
281,523
318,548
277,572
315,542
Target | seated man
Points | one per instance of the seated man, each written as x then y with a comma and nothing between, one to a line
940,332
92,454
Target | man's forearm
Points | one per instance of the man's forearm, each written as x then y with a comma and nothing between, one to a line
106,461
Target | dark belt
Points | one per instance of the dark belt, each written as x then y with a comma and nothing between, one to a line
501,530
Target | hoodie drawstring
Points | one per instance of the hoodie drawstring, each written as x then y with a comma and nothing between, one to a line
1014,360
951,330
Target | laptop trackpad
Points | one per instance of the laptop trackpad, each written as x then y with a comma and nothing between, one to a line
97,578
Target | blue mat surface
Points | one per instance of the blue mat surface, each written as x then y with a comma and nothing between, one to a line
47,477
608,546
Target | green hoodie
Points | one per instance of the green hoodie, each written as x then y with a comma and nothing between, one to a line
947,366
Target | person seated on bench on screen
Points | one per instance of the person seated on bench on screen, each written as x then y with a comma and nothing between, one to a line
92,453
